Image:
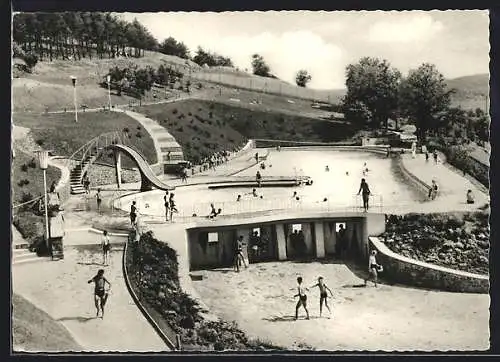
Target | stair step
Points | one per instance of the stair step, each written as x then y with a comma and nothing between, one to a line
77,192
26,255
77,187
33,259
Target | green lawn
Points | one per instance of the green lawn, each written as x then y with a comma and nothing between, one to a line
32,174
60,133
34,330
203,127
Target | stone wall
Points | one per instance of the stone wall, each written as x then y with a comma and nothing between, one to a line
400,269
420,185
100,174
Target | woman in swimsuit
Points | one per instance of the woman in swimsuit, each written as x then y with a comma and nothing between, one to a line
363,187
133,213
323,295
302,298
100,293
106,246
173,208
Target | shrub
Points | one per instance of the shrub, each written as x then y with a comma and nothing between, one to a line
180,129
221,135
32,163
211,106
29,225
174,111
31,60
138,135
39,142
24,167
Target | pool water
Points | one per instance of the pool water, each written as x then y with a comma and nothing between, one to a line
339,185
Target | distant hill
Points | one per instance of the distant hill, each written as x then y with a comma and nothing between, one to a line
472,91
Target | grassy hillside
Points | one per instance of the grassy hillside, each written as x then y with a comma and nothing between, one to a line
33,330
25,168
59,131
202,127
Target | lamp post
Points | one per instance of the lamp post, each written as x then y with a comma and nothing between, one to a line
73,80
108,78
43,161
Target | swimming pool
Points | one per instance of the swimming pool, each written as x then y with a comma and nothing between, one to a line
339,186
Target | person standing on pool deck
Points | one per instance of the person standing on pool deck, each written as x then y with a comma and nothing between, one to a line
166,204
435,155
365,189
323,295
133,213
99,200
257,158
100,293
302,302
106,246
258,178
238,255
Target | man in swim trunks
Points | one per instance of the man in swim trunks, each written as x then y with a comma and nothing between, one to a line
100,293
238,255
302,302
258,178
323,295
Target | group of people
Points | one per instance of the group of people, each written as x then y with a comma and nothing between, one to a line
170,205
373,269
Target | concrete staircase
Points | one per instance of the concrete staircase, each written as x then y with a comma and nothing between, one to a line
24,256
76,174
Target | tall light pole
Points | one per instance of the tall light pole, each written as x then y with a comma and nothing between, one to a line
43,161
108,78
73,80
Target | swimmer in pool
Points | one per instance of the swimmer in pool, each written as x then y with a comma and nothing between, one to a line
323,295
347,173
238,198
294,195
327,168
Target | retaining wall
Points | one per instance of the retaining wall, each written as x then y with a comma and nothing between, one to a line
400,269
105,175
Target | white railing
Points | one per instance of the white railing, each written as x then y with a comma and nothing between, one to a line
256,205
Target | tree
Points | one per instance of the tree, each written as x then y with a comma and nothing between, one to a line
357,112
203,57
171,46
423,97
260,67
373,83
30,59
302,78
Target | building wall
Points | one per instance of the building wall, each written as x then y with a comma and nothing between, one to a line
279,245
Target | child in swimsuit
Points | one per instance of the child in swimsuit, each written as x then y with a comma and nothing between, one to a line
302,298
373,268
323,295
239,257
106,246
100,293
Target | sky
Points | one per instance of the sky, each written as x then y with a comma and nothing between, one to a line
324,43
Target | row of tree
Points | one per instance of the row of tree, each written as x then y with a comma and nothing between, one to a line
77,35
376,91
137,81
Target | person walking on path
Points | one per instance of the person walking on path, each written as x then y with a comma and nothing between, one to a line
100,292
106,247
433,190
435,155
99,200
133,213
470,197
166,204
302,302
365,190
173,208
239,258
323,295
373,268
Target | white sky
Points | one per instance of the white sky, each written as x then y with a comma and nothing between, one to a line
325,42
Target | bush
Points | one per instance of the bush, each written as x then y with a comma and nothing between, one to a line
30,59
24,168
29,225
40,142
138,135
174,111
32,163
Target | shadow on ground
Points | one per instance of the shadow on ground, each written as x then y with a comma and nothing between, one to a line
78,319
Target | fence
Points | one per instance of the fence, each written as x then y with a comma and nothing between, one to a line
263,85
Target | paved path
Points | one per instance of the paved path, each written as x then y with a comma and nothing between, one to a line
452,185
60,288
